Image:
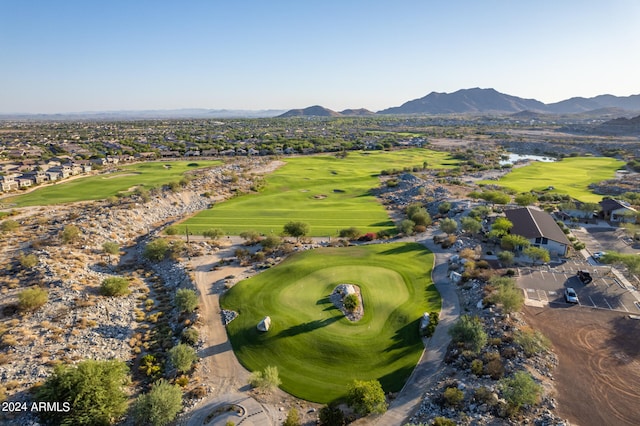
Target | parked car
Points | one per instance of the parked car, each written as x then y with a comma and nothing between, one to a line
584,276
597,255
570,295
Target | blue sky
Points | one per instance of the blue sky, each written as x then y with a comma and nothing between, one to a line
72,56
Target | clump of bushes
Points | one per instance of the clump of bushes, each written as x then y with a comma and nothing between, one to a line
114,286
32,298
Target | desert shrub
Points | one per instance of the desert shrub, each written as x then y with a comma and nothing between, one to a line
156,250
149,365
293,418
171,230
469,331
418,229
111,247
213,233
495,369
477,367
366,397
32,298
532,341
453,397
484,395
351,302
94,388
186,300
190,335
520,389
331,415
114,286
267,380
182,357
509,352
443,421
9,225
350,233
70,234
160,405
28,261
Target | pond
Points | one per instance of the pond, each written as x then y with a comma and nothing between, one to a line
512,158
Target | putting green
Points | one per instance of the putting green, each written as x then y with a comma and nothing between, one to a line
570,176
326,192
317,350
98,187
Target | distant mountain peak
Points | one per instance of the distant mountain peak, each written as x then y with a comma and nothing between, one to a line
312,111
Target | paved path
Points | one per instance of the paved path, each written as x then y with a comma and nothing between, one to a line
430,363
253,413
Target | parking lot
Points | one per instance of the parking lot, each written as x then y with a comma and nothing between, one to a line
545,285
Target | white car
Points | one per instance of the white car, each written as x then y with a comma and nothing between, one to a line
597,255
570,295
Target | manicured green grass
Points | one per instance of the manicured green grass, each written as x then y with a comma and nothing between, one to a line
98,187
326,192
317,350
570,176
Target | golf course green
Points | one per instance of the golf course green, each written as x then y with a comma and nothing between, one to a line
326,192
98,187
317,350
569,176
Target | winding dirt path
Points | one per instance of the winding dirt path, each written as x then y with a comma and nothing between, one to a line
219,367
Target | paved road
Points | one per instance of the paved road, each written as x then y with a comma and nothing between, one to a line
430,363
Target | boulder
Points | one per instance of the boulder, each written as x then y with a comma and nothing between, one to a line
264,324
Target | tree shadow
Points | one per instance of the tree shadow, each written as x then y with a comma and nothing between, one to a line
407,248
308,326
624,336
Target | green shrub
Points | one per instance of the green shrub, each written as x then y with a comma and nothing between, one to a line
156,250
95,390
351,302
28,261
532,341
190,335
186,300
114,286
32,298
331,415
70,234
182,357
366,397
484,395
350,233
160,405
267,380
495,369
520,389
443,421
293,418
171,230
9,225
111,247
453,397
469,331
477,367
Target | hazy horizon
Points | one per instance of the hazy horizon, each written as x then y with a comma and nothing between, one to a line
72,56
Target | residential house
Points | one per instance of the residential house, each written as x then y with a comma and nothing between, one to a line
9,182
539,228
618,211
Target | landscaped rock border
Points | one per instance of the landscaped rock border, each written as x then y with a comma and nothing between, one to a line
337,298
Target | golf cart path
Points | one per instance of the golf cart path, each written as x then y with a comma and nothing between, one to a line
430,363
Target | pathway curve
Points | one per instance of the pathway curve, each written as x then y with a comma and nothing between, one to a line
430,364
218,364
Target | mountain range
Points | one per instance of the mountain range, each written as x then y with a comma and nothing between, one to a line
482,101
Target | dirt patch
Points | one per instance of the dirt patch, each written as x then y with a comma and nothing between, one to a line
319,197
120,175
598,374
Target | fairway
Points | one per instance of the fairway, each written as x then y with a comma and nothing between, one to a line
326,192
98,187
317,350
569,176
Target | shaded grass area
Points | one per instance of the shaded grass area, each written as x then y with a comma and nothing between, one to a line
317,350
326,192
148,175
569,176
